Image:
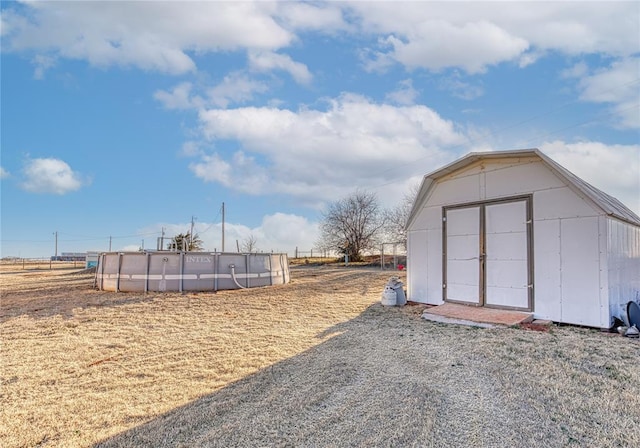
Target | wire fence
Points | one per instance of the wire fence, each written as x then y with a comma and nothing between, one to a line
39,263
388,256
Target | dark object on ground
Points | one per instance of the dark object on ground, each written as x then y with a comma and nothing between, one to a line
633,312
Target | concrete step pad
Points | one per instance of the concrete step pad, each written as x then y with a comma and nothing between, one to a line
479,314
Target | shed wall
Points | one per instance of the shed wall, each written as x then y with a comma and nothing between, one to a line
623,263
568,243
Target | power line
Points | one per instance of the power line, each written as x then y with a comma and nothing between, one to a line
97,238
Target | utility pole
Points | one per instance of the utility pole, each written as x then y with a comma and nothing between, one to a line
109,244
56,251
191,234
223,227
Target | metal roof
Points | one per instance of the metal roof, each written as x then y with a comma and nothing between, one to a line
608,204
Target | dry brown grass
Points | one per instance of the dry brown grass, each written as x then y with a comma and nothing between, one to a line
317,362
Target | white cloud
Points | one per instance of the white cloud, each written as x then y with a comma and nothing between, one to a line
269,61
240,172
287,231
179,97
436,45
190,149
430,35
235,88
50,176
614,169
279,232
577,70
460,88
327,17
4,173
618,85
529,58
437,35
147,35
322,154
130,248
42,63
212,168
404,95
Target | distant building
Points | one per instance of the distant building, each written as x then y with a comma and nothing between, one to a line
92,259
70,256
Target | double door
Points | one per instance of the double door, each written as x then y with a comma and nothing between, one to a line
487,254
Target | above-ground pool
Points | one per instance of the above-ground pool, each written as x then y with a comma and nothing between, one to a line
189,271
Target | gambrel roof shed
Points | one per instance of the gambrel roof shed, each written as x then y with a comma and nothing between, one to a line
516,230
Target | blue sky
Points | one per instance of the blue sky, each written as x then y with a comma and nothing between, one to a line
120,119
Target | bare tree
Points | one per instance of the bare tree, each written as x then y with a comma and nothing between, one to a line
249,244
395,219
183,241
351,225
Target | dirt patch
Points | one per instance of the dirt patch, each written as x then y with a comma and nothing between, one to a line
314,363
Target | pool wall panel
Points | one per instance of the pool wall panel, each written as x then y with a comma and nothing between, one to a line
189,271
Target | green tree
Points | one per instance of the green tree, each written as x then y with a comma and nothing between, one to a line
352,225
184,242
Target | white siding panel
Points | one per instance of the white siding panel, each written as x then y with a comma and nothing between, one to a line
421,221
623,265
434,263
580,265
467,171
605,316
560,203
463,245
508,274
434,218
424,276
506,252
507,246
463,221
456,191
508,297
547,279
520,179
506,217
463,292
463,272
418,276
